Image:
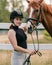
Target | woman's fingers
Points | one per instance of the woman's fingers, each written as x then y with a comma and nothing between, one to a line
32,52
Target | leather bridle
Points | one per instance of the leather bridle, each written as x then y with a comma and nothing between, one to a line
37,22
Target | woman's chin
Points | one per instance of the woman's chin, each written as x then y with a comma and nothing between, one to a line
18,24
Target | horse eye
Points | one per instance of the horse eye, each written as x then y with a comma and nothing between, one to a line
28,1
36,10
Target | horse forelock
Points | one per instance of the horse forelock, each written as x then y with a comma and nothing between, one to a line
34,1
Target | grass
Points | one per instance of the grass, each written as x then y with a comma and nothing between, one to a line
5,57
45,59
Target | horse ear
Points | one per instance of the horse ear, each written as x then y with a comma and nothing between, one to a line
28,1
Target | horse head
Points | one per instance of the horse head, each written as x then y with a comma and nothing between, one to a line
34,9
44,16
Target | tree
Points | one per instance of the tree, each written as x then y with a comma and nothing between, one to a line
4,13
51,2
17,4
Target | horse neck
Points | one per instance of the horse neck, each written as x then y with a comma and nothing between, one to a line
46,22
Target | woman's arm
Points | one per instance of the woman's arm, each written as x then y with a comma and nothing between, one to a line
12,39
27,25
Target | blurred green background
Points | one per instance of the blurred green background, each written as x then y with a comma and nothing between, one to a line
6,6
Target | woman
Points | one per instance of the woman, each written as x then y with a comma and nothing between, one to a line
18,39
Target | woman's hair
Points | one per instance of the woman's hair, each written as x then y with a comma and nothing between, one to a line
11,26
15,14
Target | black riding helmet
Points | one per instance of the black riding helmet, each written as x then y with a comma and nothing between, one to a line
15,14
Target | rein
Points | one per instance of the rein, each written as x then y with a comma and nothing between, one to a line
30,31
37,51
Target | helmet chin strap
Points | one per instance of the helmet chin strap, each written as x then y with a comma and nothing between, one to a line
14,24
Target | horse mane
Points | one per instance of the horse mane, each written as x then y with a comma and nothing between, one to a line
47,17
47,8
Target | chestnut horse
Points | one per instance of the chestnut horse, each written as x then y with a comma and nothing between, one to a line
45,15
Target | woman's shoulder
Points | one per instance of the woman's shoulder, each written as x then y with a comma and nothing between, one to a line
11,32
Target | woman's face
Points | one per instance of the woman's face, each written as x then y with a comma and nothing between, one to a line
17,21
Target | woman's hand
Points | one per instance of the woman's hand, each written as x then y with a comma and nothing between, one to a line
32,52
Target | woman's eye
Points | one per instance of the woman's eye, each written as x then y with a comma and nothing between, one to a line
16,18
20,19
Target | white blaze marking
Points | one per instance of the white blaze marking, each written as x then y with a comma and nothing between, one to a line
31,11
